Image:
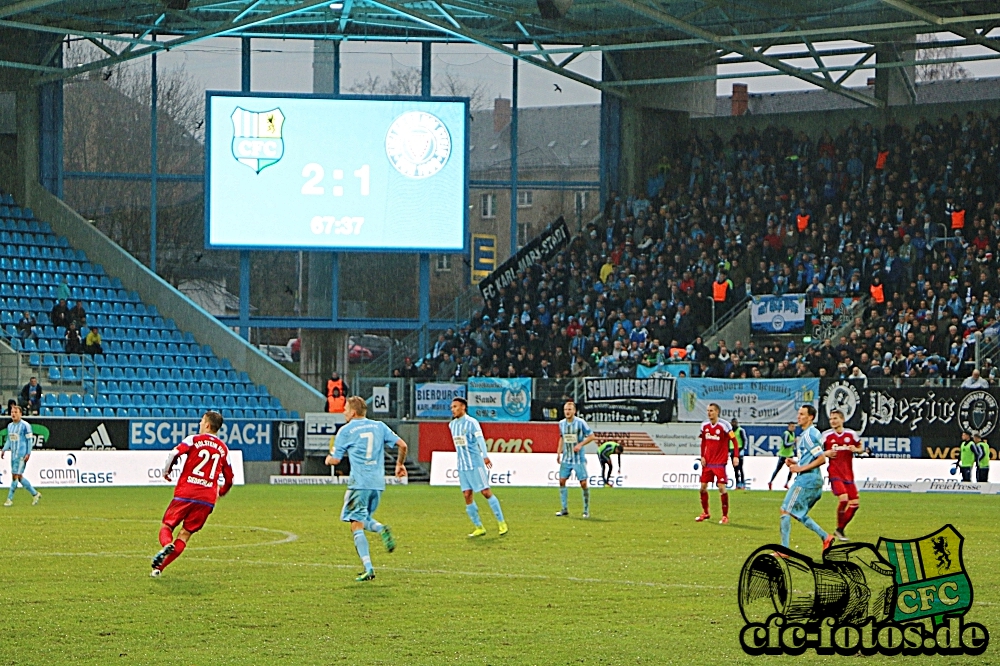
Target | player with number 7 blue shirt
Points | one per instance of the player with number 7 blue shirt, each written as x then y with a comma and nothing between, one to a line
473,462
363,442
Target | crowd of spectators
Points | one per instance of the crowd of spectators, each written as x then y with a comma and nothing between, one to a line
907,217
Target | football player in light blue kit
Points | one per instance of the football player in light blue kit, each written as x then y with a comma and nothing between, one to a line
473,463
363,442
574,434
807,487
19,442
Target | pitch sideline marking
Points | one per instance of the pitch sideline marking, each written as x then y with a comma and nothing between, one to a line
437,572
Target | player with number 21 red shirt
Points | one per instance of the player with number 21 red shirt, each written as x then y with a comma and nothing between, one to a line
197,489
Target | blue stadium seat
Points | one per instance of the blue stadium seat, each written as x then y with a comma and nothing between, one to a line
156,413
72,411
58,411
102,401
133,412
88,401
184,400
108,413
114,401
230,402
54,374
125,400
169,413
161,401
241,402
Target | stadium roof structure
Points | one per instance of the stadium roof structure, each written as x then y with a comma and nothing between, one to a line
546,33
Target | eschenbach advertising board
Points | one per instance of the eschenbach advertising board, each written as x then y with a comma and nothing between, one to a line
310,172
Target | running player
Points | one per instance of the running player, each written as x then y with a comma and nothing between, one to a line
363,442
574,434
807,487
473,463
716,435
786,451
19,442
841,444
197,488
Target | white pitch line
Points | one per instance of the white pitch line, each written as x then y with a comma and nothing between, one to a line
434,572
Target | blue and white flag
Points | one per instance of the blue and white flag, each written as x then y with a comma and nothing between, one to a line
492,399
778,314
751,401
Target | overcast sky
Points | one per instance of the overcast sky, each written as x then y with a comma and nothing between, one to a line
286,66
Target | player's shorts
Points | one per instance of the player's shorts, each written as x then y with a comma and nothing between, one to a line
580,469
192,514
844,487
477,480
359,505
710,473
17,465
804,493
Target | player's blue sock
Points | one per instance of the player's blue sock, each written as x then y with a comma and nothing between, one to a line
564,496
495,506
814,526
13,487
27,486
373,525
361,544
586,500
786,529
473,512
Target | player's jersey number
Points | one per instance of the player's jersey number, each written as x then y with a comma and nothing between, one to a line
370,439
205,456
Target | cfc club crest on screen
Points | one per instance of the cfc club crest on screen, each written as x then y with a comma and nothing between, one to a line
418,144
906,597
257,140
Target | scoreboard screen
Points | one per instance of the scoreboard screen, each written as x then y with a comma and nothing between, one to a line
318,173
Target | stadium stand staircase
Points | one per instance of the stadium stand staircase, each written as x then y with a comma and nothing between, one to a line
174,363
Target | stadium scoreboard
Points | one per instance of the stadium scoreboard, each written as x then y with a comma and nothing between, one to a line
320,173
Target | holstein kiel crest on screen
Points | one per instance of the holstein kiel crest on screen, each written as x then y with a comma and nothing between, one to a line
418,144
257,138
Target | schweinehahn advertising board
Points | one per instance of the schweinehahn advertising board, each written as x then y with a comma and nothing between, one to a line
94,469
684,472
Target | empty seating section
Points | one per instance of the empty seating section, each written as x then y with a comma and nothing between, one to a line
148,369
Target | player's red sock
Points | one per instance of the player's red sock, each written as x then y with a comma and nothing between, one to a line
178,549
725,504
841,512
166,535
704,501
849,513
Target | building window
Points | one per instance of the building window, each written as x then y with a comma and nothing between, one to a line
581,202
443,263
523,234
488,205
525,198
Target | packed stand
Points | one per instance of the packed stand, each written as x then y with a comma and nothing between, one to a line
905,216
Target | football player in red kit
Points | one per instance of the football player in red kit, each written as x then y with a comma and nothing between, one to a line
715,438
841,444
197,488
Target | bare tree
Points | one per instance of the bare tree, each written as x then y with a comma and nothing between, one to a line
948,71
407,81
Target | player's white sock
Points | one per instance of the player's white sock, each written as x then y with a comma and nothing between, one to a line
495,507
361,544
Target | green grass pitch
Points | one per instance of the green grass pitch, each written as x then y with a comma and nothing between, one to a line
638,583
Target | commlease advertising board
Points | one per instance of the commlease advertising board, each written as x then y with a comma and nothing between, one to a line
434,399
94,469
492,399
752,402
682,472
310,172
618,400
253,438
921,422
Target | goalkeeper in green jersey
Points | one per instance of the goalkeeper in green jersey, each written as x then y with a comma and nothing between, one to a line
604,452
